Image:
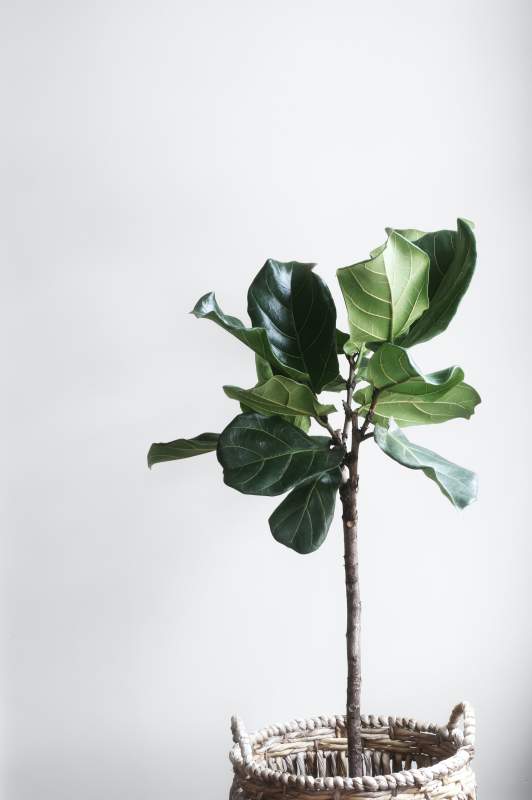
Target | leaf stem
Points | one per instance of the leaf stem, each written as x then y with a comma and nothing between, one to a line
369,415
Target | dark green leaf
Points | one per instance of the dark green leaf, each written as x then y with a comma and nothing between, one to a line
282,396
303,519
182,448
452,263
341,339
267,456
386,294
296,309
336,385
459,485
255,338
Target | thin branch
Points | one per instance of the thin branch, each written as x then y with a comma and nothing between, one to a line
369,415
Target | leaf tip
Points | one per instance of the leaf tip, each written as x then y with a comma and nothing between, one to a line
149,458
204,305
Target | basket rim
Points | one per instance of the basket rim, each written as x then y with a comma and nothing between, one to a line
244,763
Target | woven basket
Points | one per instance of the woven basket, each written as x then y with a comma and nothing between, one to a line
403,759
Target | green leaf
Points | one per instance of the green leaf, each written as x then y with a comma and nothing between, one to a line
392,367
255,338
304,517
341,339
459,485
303,423
282,396
264,373
453,257
297,311
363,365
410,397
267,456
386,294
263,369
409,233
182,448
336,385
423,403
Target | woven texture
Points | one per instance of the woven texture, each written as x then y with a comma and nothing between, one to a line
403,758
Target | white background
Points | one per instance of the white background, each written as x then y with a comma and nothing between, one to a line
152,152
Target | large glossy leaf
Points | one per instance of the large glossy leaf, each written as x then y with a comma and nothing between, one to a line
452,263
256,338
459,485
267,456
182,448
386,294
304,517
423,403
282,396
297,311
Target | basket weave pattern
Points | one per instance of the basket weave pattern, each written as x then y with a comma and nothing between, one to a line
403,759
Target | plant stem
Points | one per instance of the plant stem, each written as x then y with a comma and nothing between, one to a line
350,386
348,496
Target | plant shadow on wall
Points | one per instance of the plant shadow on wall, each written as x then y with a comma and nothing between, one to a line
406,293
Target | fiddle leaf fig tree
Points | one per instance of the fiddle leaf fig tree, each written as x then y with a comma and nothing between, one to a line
405,293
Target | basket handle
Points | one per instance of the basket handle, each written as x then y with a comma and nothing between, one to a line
464,713
241,738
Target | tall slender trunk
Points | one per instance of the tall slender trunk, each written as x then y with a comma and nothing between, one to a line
348,494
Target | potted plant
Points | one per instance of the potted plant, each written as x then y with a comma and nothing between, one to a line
406,293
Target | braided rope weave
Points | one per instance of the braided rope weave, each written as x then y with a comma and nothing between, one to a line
403,759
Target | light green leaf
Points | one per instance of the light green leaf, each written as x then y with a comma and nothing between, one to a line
410,397
390,364
282,396
409,233
391,367
423,403
255,338
459,485
268,456
301,422
264,373
263,369
453,257
182,448
386,294
294,306
304,517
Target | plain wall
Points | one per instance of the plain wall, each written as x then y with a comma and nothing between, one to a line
152,152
